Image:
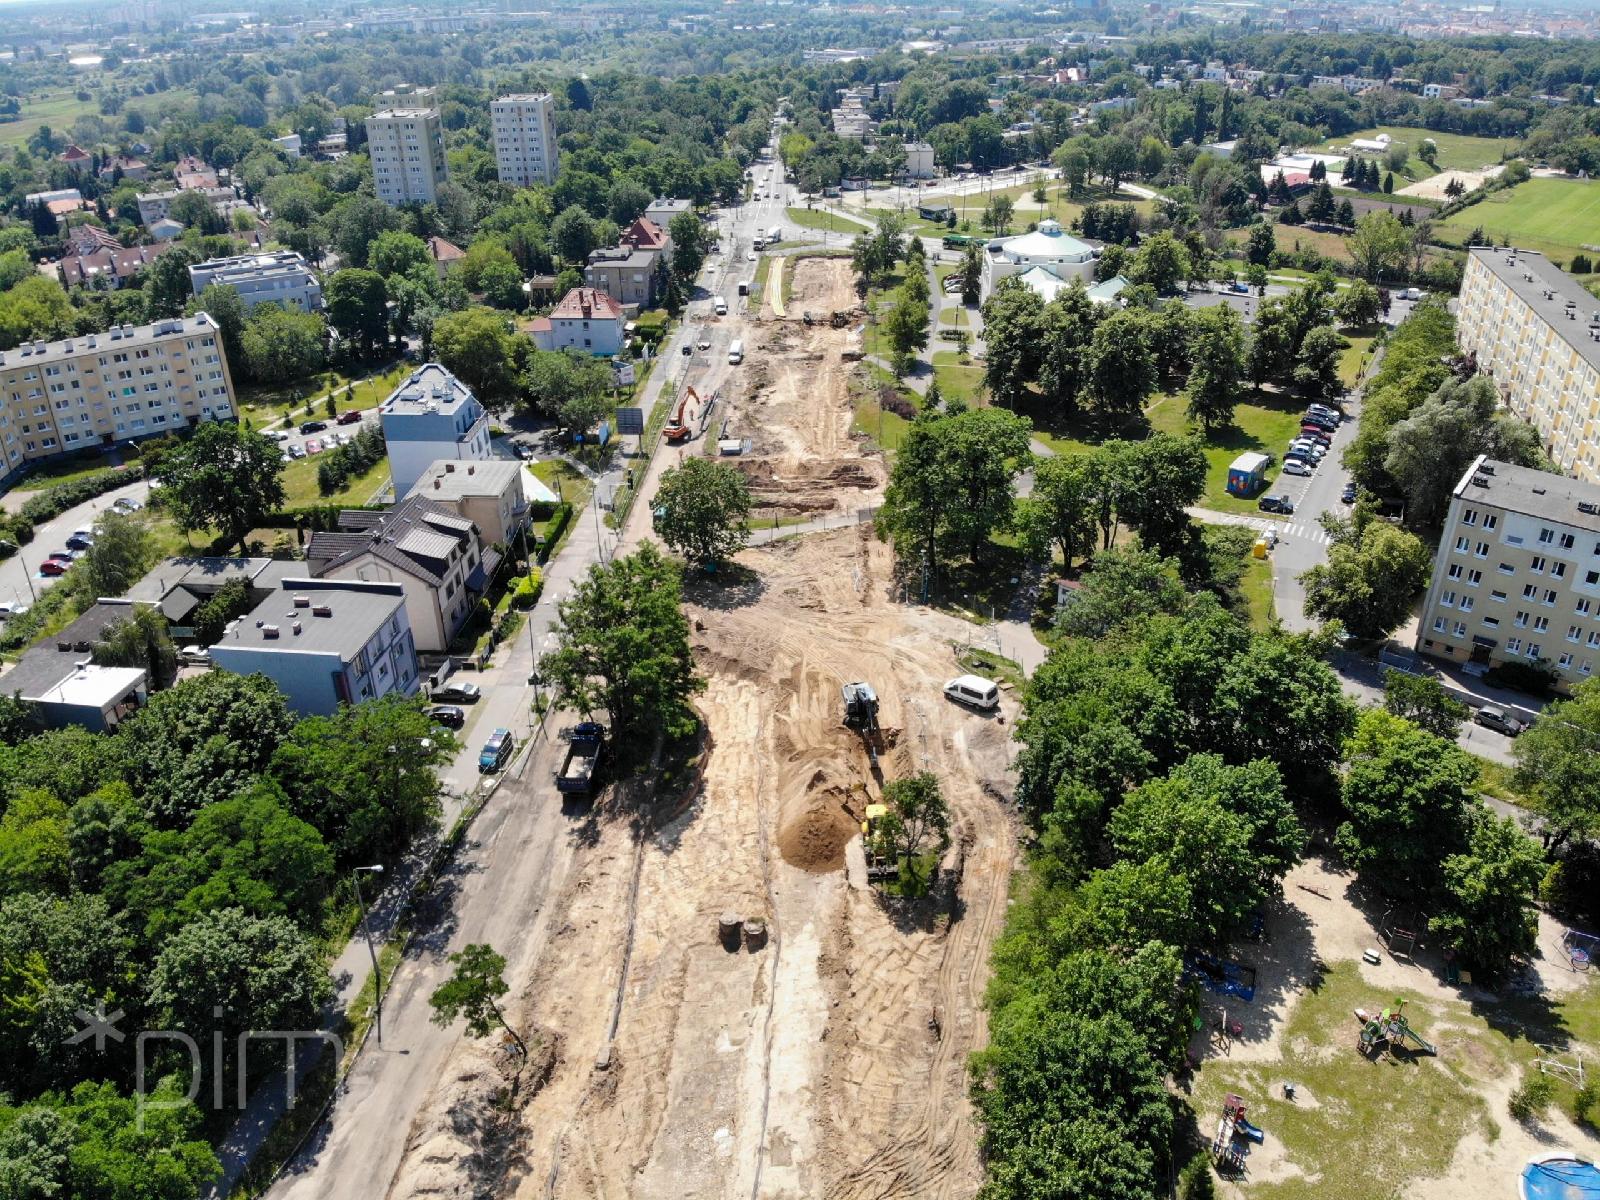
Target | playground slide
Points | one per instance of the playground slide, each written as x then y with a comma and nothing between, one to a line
1246,1129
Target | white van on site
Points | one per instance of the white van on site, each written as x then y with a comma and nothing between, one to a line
719,306
974,692
736,352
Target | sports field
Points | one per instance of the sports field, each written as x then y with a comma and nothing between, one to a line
1555,216
1455,149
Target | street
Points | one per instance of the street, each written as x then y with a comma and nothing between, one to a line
20,581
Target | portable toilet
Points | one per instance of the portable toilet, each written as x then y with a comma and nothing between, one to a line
1247,474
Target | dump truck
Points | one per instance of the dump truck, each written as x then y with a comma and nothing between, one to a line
583,756
861,714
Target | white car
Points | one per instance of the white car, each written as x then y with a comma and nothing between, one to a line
278,435
1294,466
12,610
751,256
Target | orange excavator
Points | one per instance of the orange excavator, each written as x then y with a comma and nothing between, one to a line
677,429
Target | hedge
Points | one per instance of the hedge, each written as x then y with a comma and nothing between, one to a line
552,536
52,502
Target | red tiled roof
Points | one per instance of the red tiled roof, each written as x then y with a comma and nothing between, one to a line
443,251
73,154
78,269
540,325
587,304
645,234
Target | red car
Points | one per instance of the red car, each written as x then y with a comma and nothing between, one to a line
313,446
348,418
53,567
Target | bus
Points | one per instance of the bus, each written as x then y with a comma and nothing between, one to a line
955,241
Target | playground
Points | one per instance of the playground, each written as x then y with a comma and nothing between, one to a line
1333,1056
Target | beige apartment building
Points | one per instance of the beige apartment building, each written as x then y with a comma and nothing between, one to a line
407,149
1537,332
1517,576
525,138
129,382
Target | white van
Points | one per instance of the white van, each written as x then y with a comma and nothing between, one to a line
736,352
974,692
719,306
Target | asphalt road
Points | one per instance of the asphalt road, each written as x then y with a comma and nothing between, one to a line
324,436
20,580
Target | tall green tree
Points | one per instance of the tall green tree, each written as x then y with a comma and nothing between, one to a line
1316,371
1372,575
1487,913
474,986
475,346
1013,329
569,388
702,510
357,306
1424,701
918,819
622,644
1558,767
1218,366
1122,365
224,477
1058,516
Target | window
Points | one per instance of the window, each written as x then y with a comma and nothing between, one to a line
1507,569
1490,521
1533,650
1466,604
1574,633
1537,565
1564,661
1541,624
1461,545
1474,577
1492,622
1469,516
1585,667
1529,591
1461,629
1438,624
1513,645
1566,541
1582,608
1521,620
1558,570
1498,597
1481,550
1455,571
1546,536
1448,599
1549,596
1591,578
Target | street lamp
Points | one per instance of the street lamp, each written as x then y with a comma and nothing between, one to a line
366,928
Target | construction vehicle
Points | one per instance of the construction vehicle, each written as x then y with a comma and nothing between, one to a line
839,320
861,714
881,860
677,429
583,756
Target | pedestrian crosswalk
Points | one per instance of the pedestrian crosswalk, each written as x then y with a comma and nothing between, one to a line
1305,531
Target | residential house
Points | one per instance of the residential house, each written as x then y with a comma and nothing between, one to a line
123,166
437,557
431,415
108,268
289,143
662,210
75,158
586,320
59,677
86,239
326,643
278,277
180,585
444,254
194,174
489,494
919,160
625,274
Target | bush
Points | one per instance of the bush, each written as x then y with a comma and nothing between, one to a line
1584,1103
52,502
20,529
552,536
1535,678
892,401
1533,1097
339,466
1571,887
1195,1181
525,594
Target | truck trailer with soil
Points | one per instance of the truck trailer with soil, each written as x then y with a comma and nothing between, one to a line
583,756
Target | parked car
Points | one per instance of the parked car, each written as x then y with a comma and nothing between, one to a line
448,715
1315,431
1492,716
53,567
352,417
1276,504
8,609
1348,496
195,656
973,691
456,693
496,751
526,452
297,451
687,349
313,426
79,543
1294,466
124,505
278,435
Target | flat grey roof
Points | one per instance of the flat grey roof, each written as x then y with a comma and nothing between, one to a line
1567,295
451,479
1531,493
358,610
114,338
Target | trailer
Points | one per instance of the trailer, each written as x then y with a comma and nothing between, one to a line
583,757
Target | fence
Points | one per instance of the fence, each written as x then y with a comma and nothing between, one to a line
765,535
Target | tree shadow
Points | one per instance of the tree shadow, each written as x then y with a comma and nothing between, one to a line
732,585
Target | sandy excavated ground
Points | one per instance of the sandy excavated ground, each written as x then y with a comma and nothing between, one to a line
1320,923
831,1061
796,407
1432,188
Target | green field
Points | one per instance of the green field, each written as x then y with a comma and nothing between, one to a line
808,218
1455,149
55,109
1554,216
300,484
957,380
1264,424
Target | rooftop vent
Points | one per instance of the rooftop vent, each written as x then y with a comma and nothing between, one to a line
269,631
297,628
1480,481
302,601
1588,506
1538,491
322,610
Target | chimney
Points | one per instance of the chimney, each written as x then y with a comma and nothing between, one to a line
471,468
437,484
449,467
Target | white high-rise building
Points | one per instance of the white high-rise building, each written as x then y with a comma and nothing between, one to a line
407,148
525,139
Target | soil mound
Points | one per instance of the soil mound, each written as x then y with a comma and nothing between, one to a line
815,836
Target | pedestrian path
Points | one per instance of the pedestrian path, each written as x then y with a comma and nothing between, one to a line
1307,531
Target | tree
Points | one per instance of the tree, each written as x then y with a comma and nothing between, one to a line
471,991
688,245
623,645
971,276
221,302
139,640
1372,574
1158,479
1407,796
280,344
1126,583
123,551
906,325
1058,516
1425,702
1487,913
997,214
230,601
1217,373
1161,262
1378,245
475,346
702,511
166,282
1558,768
984,450
1260,245
33,844
1358,304
1316,370
573,235
1122,367
918,817
228,971
224,477
1013,326
357,306
355,225
394,252
201,742
366,775
568,387
1428,451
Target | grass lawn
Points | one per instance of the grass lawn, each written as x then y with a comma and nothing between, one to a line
1256,586
808,218
954,315
262,404
561,477
49,472
886,429
300,483
1551,215
1456,150
1354,357
1494,779
1291,238
1423,1106
957,380
758,283
1264,424
55,109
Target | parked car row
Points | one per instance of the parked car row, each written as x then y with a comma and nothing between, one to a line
1308,447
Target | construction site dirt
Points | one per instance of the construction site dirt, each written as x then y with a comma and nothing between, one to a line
736,1011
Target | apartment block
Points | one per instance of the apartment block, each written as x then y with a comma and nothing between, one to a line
1517,576
129,382
525,138
407,149
431,416
1537,332
273,276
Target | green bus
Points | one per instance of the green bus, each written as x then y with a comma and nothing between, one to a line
955,241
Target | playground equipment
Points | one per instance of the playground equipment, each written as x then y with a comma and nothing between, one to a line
677,429
1234,1135
1220,976
1568,1065
1559,1176
1581,948
1399,936
1390,1029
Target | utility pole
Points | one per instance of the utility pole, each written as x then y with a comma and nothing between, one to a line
366,928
